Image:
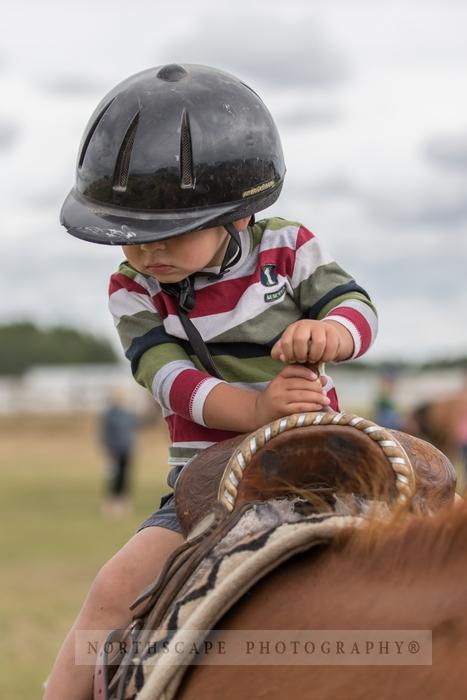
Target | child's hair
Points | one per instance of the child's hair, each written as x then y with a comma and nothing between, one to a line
170,150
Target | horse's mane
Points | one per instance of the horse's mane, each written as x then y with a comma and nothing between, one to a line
408,541
400,540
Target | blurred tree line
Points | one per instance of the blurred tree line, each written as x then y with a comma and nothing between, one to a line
23,345
458,362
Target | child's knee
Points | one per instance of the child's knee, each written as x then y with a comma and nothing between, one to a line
108,594
133,568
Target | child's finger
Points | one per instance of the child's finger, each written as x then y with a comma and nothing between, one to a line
317,346
286,345
300,344
303,396
276,350
296,370
299,384
300,407
332,347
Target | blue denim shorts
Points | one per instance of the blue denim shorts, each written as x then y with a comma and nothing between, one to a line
166,515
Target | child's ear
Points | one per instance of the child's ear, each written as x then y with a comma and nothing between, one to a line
241,224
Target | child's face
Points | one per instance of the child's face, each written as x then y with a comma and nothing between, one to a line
173,259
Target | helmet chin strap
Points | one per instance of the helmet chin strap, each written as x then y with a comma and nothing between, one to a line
232,254
184,293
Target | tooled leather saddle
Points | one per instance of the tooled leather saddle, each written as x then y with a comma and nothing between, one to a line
313,455
319,453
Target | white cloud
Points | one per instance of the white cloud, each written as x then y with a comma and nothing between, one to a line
448,151
280,54
8,134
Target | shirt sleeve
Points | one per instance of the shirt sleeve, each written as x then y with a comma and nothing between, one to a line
323,290
160,362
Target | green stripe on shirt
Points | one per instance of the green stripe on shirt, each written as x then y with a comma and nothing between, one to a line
137,325
323,280
155,358
351,296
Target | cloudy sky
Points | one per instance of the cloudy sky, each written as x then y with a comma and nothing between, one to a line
371,104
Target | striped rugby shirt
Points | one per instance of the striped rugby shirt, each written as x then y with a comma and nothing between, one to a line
283,275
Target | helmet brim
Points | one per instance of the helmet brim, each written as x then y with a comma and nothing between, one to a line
107,226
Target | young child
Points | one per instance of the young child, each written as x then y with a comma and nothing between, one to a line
217,314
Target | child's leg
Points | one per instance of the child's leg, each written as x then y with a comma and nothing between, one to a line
115,587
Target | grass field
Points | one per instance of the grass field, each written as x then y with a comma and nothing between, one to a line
53,537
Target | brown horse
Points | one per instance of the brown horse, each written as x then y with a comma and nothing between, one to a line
408,575
405,573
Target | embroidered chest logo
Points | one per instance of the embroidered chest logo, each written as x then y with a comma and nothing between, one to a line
269,275
269,278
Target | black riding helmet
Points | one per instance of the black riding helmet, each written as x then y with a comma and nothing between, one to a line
170,150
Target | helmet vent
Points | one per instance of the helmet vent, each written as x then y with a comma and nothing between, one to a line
187,180
172,72
91,132
122,167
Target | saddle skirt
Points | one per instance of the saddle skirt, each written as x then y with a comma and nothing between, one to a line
265,535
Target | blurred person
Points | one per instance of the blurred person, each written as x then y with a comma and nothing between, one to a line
385,410
174,164
118,426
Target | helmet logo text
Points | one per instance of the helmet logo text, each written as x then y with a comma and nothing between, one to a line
258,188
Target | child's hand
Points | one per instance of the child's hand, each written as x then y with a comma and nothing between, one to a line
294,390
313,341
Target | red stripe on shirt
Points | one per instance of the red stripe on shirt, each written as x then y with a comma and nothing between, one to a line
119,281
360,323
183,430
221,297
303,236
165,304
332,395
182,390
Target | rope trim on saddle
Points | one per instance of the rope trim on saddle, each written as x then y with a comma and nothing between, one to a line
391,448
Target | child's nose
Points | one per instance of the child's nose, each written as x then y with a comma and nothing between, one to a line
153,245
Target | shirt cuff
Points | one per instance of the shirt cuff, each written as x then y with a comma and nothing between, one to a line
357,342
199,396
360,320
